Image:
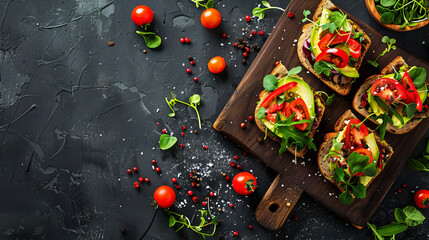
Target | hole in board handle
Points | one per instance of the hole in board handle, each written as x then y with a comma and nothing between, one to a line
273,207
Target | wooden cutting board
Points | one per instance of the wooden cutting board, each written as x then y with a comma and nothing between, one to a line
305,176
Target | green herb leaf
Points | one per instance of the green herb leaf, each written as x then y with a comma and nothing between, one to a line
370,170
331,26
392,229
151,39
338,18
209,4
413,217
171,221
323,67
373,63
339,175
292,137
294,71
418,76
258,12
387,17
306,13
399,215
172,114
411,109
330,99
427,147
345,197
270,82
359,190
195,99
261,113
385,39
266,4
420,164
357,162
166,141
397,76
374,230
387,3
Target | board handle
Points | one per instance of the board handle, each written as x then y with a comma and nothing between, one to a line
277,203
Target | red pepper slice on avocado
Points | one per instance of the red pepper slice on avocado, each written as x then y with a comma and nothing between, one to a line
354,136
388,89
332,39
277,92
333,55
300,109
411,92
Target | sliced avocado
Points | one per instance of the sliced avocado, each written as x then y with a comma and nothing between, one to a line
372,144
315,34
423,93
270,126
398,123
303,90
348,71
364,180
374,106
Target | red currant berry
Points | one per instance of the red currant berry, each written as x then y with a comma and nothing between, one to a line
174,180
157,169
192,62
129,171
232,164
235,44
245,54
250,119
187,40
247,18
146,180
136,184
242,125
260,33
190,193
224,35
195,199
182,40
141,179
135,169
195,79
188,70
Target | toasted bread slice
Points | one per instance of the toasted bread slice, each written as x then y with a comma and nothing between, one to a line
383,146
390,68
306,33
280,71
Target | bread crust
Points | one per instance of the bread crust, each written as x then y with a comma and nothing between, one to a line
395,64
279,72
306,33
327,145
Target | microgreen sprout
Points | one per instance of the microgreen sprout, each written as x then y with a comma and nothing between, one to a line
194,102
330,98
260,12
203,3
390,46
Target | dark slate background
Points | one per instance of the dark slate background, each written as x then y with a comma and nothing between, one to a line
75,114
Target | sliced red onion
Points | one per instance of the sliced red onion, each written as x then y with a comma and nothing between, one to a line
313,56
334,72
307,44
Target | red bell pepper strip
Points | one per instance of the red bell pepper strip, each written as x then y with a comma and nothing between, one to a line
412,94
327,56
275,108
277,92
331,38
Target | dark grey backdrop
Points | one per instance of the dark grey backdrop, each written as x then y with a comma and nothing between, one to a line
75,114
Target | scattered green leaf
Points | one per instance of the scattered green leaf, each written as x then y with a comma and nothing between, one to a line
166,141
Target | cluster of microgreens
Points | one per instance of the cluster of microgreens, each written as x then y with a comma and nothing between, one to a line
390,46
203,3
260,12
194,102
402,12
421,163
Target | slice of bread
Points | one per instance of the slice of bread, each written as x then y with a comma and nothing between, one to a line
306,33
395,64
279,72
383,146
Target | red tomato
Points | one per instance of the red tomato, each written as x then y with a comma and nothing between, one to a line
271,117
388,89
334,55
211,18
142,15
164,196
300,109
354,136
244,183
216,64
421,198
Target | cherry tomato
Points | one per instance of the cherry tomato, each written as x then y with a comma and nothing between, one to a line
421,198
244,183
211,18
354,136
388,89
300,109
142,15
271,117
164,196
216,64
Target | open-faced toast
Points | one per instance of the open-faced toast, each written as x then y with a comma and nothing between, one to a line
362,100
280,72
337,80
336,152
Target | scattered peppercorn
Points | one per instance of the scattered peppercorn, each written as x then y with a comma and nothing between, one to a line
260,33
250,227
188,70
144,51
198,185
205,147
244,61
250,119
181,145
363,103
242,125
221,237
227,178
235,44
295,218
224,35
195,79
190,193
231,205
136,184
153,161
177,186
219,209
164,130
204,203
404,185
211,194
141,179
157,169
236,157
235,233
195,199
232,164
224,174
129,171
239,167
288,204
244,153
110,43
290,14
247,18
182,40
253,32
135,169
174,180
195,131
147,180
240,39
193,184
399,191
277,63
260,139
246,49
187,40
182,134
192,62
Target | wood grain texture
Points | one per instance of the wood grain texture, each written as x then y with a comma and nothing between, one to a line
370,5
273,209
281,46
